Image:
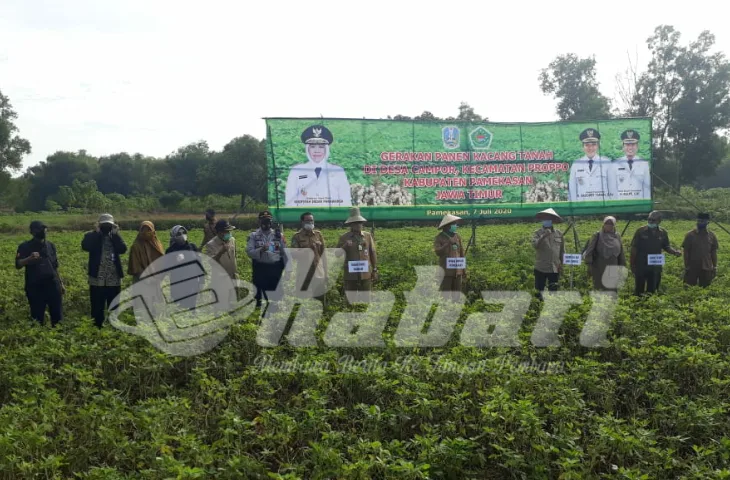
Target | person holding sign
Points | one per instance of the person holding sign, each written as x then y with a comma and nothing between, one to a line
605,249
360,259
647,258
700,253
317,183
589,174
448,247
549,251
629,176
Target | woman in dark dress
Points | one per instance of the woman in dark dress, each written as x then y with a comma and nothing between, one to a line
185,293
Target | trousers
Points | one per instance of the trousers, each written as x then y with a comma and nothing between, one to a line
693,276
101,299
647,281
41,297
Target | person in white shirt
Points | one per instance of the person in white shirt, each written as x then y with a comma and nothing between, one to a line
589,174
630,176
317,182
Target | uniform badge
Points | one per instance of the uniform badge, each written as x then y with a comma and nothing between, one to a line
450,136
581,181
304,192
621,178
366,253
302,177
359,247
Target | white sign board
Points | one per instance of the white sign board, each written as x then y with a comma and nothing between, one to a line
456,263
657,259
358,266
572,258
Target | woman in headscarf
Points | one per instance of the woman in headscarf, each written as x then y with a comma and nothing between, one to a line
185,292
605,249
145,250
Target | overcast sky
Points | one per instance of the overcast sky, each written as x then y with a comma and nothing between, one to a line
151,76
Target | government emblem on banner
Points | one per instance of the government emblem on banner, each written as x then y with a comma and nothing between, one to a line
450,136
480,138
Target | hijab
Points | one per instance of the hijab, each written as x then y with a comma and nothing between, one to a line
173,233
609,243
145,250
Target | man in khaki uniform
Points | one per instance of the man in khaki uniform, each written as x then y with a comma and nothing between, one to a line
700,253
222,249
312,239
447,244
360,259
549,250
209,232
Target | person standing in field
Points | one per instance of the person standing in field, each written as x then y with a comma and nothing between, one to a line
549,250
222,248
647,244
266,248
448,244
605,249
145,250
209,232
43,285
360,258
700,253
182,288
105,246
313,277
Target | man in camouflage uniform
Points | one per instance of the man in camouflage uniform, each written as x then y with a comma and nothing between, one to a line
314,276
649,240
448,244
359,247
700,253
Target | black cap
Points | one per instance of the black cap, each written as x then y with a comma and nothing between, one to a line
223,226
317,134
590,135
210,212
630,136
265,214
703,216
37,225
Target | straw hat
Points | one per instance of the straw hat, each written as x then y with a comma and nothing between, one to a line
354,216
549,214
106,218
448,220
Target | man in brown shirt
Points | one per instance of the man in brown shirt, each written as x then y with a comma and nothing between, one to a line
209,232
309,238
549,250
447,244
360,259
700,253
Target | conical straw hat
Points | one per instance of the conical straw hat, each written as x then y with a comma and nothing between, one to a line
549,214
448,219
354,216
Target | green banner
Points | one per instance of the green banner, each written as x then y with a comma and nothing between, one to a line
412,170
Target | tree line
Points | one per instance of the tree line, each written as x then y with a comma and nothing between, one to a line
684,88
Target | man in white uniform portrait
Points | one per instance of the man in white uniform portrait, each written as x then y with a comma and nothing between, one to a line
317,182
589,174
630,177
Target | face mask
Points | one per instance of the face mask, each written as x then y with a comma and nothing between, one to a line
39,235
652,225
105,228
309,226
226,237
547,223
701,225
181,239
265,225
453,228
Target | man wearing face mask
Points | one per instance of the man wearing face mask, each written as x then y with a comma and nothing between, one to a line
549,250
448,244
266,248
183,251
43,286
700,253
105,246
309,238
646,255
222,249
360,259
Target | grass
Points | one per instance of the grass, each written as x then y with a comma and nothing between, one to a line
77,402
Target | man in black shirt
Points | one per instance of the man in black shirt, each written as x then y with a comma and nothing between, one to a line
43,286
